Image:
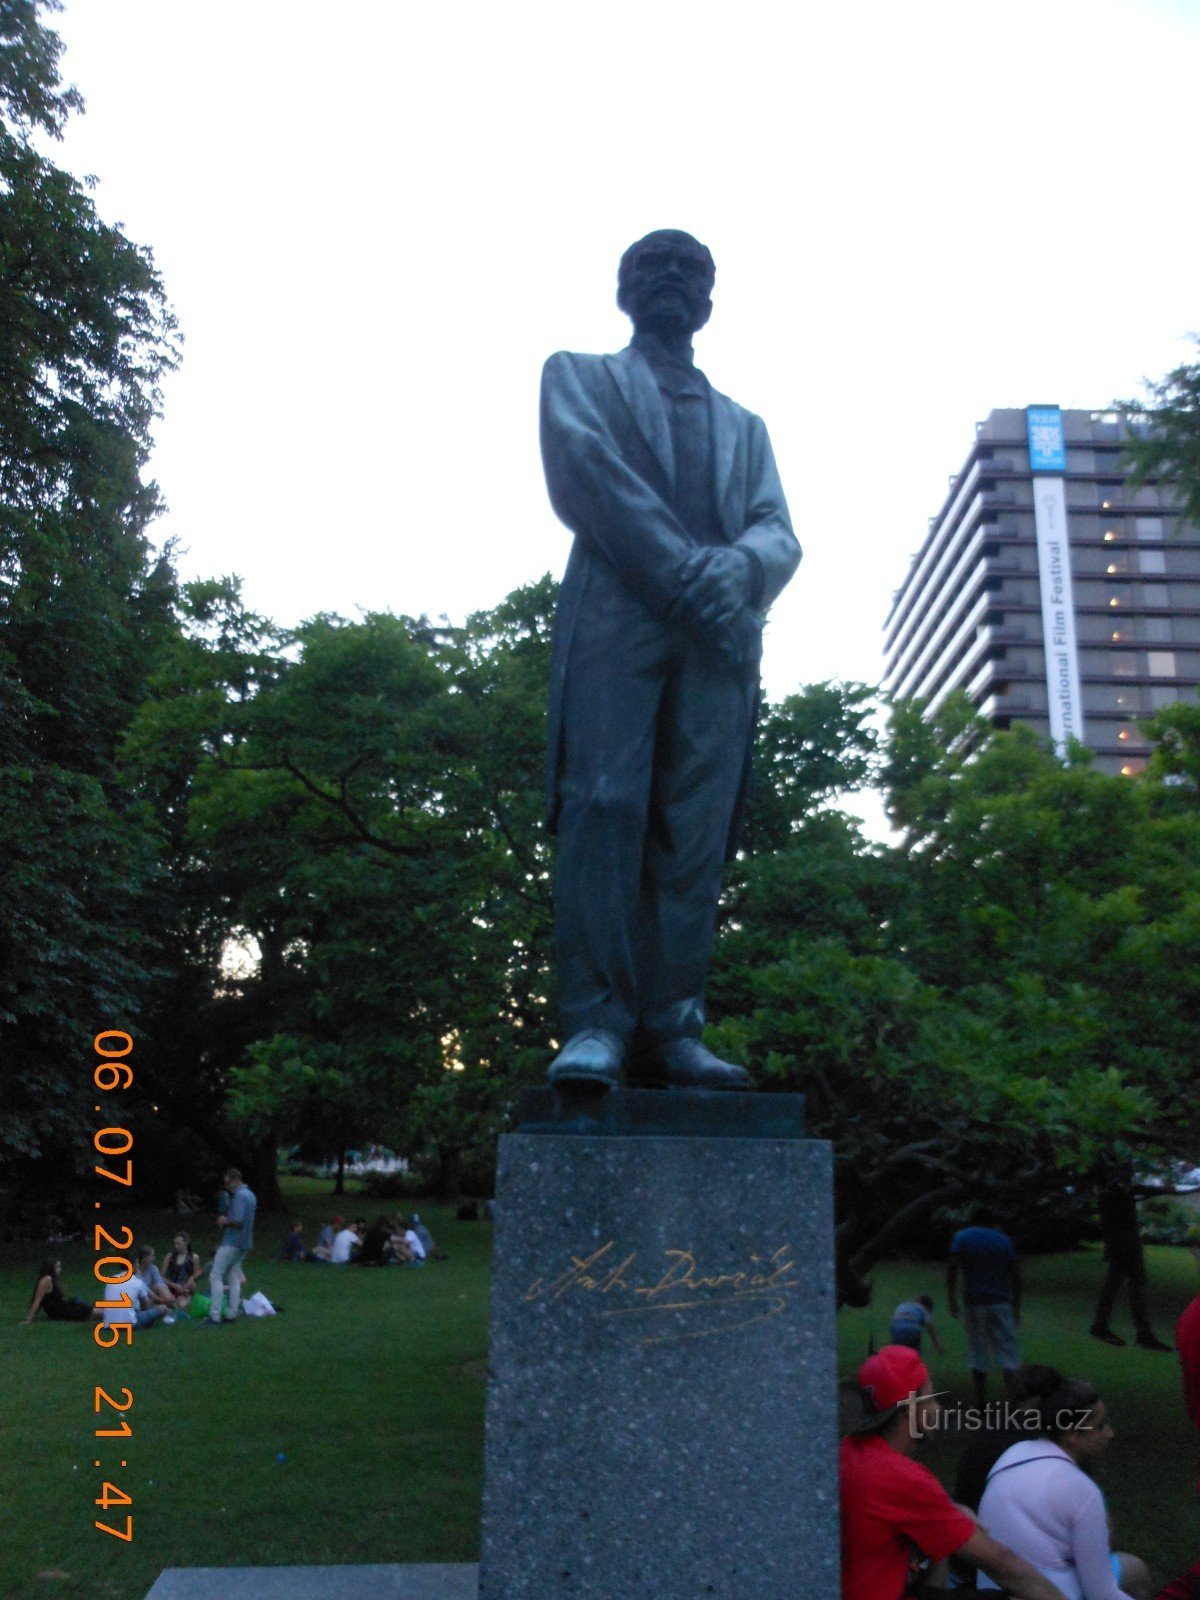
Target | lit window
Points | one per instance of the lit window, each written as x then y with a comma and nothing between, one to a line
1114,601
1109,535
1161,663
1112,567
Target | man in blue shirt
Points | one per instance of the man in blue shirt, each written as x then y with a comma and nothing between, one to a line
238,1223
985,1256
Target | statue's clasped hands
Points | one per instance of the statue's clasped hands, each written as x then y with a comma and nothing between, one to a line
715,586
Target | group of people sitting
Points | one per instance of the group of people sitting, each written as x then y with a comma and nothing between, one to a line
152,1294
1027,1513
387,1242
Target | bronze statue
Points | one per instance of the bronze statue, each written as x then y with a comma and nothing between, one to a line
682,541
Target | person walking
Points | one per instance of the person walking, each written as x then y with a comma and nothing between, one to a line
1126,1263
987,1259
911,1319
238,1223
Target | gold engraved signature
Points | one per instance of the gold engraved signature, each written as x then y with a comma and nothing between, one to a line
718,1301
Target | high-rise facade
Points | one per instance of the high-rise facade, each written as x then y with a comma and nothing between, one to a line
1051,590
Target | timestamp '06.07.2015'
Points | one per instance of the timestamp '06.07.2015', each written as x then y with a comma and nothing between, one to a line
112,1268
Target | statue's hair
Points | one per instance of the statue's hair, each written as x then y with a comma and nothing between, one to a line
660,236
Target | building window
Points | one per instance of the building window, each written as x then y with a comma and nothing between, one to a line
1129,768
1129,699
1161,698
1153,563
1124,664
1149,528
1119,562
1156,630
1110,495
1161,663
1155,596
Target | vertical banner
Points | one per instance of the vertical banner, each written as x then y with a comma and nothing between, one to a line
1047,460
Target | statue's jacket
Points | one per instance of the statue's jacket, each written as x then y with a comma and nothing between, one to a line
608,457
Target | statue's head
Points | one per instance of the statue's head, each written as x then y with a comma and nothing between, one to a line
665,281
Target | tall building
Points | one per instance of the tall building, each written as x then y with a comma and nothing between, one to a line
1051,590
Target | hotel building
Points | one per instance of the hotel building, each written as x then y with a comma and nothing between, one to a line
1052,591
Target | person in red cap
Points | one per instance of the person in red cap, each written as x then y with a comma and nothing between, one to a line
895,1513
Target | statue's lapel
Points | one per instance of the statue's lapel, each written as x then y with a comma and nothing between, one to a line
633,378
725,436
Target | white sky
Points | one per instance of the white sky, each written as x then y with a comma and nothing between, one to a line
375,221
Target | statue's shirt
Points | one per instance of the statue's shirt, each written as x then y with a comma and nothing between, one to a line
686,396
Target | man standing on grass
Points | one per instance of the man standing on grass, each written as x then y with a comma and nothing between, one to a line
238,1223
987,1259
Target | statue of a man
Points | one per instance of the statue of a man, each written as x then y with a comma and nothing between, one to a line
682,541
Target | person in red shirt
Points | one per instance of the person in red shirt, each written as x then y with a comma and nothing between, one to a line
894,1511
1187,1343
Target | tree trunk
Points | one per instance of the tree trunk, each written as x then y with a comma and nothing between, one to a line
339,1183
264,1169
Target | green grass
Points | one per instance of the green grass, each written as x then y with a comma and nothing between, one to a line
372,1384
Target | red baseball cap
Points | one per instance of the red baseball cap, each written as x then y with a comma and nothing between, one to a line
886,1380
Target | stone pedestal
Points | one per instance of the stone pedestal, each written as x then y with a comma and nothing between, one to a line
661,1418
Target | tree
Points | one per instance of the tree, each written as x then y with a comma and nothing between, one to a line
360,801
1164,439
85,607
996,1001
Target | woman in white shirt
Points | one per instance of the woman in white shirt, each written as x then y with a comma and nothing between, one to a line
1043,1502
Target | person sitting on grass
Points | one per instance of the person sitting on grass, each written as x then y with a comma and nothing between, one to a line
293,1247
131,1302
892,1506
345,1243
375,1244
323,1249
181,1269
161,1293
48,1296
424,1235
1042,1499
398,1245
911,1319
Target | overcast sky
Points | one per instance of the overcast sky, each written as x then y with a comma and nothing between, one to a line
376,220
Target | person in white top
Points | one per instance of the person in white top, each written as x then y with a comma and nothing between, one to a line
140,1309
1042,1500
342,1245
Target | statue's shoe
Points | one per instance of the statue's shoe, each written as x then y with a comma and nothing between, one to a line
685,1064
591,1059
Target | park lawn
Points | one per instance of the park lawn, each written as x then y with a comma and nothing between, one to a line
372,1384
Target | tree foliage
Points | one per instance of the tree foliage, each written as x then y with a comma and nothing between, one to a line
1164,442
85,606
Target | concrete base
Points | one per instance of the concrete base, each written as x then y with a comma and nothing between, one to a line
662,1402
317,1583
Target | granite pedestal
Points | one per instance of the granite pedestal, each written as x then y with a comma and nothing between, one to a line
661,1419
455,1582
